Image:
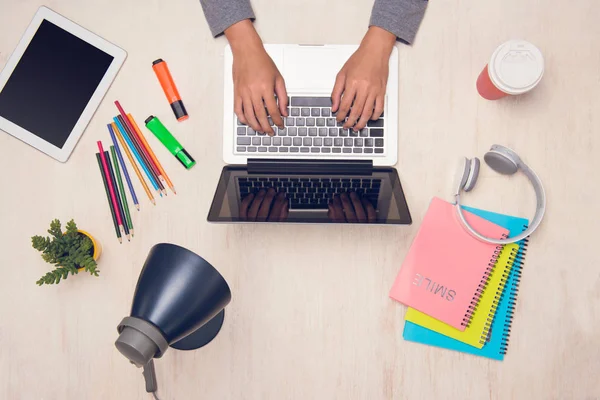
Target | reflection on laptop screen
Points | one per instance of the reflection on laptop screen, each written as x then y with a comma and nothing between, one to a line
375,198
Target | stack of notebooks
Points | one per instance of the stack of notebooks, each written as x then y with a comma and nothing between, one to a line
461,292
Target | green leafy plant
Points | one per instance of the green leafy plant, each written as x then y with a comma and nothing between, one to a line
68,252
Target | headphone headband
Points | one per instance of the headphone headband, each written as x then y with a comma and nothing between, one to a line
540,195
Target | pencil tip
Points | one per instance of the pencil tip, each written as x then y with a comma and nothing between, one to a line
153,201
138,207
120,241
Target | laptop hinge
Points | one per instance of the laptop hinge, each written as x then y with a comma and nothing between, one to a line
270,166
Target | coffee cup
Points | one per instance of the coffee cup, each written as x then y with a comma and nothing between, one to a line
516,67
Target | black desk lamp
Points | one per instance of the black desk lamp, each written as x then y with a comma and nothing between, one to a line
179,302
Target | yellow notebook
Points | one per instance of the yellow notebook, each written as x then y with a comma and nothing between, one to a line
478,329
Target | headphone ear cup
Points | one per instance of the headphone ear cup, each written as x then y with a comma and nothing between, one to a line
463,174
502,160
471,180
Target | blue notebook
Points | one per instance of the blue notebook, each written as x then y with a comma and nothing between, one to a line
497,343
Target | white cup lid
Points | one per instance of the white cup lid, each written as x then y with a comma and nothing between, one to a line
516,67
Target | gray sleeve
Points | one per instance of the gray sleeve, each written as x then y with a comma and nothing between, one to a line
400,17
221,14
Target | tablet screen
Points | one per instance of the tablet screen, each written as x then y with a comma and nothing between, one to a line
53,83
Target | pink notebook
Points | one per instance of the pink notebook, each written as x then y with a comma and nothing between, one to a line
446,268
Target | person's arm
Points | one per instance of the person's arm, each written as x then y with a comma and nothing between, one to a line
221,14
400,17
359,91
256,79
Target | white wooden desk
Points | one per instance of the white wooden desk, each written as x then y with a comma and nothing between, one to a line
310,316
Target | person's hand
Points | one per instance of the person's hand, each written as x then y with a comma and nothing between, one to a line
351,208
266,205
256,80
363,79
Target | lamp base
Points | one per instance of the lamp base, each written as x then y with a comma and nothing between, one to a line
203,335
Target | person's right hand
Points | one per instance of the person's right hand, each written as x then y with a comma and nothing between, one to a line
256,80
266,205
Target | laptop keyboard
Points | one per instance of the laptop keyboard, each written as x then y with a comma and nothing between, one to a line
311,128
312,193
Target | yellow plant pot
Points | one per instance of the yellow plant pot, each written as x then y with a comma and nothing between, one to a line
97,246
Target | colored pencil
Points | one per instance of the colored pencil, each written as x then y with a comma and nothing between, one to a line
123,167
150,154
135,152
110,185
117,194
112,208
140,151
145,156
121,189
132,161
154,158
127,124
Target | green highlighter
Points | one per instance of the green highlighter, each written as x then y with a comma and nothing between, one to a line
166,138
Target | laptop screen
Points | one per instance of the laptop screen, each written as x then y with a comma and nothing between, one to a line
374,198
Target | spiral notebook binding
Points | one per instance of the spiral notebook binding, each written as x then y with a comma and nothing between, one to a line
485,334
482,285
513,291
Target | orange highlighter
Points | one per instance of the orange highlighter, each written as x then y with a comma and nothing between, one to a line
166,81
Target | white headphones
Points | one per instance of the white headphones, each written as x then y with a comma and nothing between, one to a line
505,161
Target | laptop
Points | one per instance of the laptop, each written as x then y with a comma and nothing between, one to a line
313,161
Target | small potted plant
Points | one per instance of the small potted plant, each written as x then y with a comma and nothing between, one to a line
70,252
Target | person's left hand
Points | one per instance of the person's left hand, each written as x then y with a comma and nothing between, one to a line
351,208
363,80
266,205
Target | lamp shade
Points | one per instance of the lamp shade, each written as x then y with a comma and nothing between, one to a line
179,300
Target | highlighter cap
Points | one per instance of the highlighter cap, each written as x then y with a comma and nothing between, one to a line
186,159
179,110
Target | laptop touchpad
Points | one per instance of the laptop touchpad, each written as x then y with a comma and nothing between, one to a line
312,68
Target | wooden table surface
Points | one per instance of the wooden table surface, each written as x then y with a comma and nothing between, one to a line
310,316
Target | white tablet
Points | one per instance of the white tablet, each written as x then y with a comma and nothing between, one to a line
54,81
